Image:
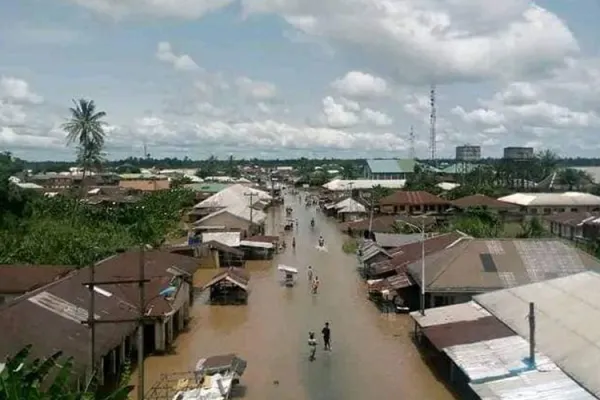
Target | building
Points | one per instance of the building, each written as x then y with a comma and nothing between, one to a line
468,153
486,202
417,202
571,225
16,280
343,185
518,153
350,209
239,218
476,266
145,182
392,168
550,203
484,358
567,311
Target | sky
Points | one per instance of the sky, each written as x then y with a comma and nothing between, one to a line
301,78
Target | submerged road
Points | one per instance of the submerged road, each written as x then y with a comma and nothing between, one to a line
372,354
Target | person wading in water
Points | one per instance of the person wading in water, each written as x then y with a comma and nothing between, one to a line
312,345
326,337
310,273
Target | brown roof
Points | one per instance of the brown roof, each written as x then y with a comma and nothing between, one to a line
479,265
126,265
236,275
466,332
18,279
385,223
417,198
410,253
24,322
481,200
571,218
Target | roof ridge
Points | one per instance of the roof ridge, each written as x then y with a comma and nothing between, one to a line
449,261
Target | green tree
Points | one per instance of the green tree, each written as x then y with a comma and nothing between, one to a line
379,192
85,129
48,379
574,178
533,228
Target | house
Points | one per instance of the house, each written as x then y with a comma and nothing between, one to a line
571,225
16,280
566,310
51,318
485,202
551,203
385,224
204,190
417,202
393,240
484,358
369,253
347,185
350,209
389,169
476,266
240,218
169,292
229,287
144,182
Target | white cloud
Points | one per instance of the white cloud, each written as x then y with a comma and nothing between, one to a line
17,90
479,116
181,62
263,108
184,9
360,84
433,39
338,115
378,118
256,89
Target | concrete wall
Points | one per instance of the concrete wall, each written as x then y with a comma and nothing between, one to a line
146,185
547,210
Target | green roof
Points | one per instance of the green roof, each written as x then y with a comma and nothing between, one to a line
207,187
407,165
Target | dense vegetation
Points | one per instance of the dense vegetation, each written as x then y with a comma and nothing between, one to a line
49,379
62,229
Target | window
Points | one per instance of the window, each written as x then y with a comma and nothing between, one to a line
533,211
574,210
547,211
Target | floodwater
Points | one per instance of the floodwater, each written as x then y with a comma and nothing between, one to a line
372,354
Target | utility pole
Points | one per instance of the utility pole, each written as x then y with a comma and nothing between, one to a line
531,318
91,321
432,124
251,196
371,216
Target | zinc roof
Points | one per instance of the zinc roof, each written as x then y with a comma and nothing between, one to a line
340,185
387,166
231,239
553,199
233,195
567,314
462,312
350,205
479,265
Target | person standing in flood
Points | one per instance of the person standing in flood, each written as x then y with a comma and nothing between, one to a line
326,336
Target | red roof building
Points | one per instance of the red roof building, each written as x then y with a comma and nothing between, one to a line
417,202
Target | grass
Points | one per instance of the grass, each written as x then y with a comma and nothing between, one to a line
350,246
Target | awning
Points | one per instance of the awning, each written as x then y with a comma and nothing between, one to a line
285,268
260,245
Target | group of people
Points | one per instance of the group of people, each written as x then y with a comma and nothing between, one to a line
312,341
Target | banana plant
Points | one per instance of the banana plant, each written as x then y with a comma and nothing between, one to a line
48,379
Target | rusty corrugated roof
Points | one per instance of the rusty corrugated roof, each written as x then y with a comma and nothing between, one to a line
416,198
18,279
465,332
481,200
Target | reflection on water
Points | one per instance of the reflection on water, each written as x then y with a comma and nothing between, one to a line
372,356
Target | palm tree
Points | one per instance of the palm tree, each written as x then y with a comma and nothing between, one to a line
85,128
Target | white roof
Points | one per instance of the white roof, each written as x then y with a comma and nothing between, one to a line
231,239
234,195
338,185
462,312
285,268
241,211
552,199
350,205
448,185
260,245
567,312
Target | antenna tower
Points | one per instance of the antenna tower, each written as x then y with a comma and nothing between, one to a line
411,138
145,149
432,122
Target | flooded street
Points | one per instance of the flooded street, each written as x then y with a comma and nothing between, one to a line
372,354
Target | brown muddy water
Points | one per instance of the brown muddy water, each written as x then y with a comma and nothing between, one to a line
372,354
